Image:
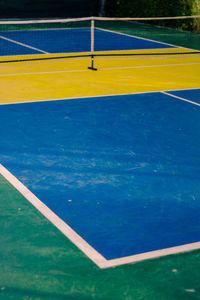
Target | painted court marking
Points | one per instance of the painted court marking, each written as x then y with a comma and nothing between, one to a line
100,69
100,96
180,98
147,57
151,66
53,218
45,72
89,251
21,44
138,37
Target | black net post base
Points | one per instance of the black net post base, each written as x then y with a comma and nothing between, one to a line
92,64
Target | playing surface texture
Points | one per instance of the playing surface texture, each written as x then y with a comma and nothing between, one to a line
111,158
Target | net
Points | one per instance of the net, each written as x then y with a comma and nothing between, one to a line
97,36
23,40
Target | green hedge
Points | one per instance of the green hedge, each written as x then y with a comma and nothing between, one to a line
156,8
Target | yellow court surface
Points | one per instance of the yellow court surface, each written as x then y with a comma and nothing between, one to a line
68,78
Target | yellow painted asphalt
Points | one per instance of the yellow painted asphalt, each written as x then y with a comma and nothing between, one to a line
69,78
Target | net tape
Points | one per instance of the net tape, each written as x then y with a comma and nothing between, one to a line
34,21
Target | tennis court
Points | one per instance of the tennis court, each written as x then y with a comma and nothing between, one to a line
109,157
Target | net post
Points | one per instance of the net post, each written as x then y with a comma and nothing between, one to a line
92,46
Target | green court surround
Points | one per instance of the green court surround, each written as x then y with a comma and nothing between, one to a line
38,263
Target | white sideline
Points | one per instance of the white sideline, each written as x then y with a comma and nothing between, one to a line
21,44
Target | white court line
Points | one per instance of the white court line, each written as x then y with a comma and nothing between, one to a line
146,39
100,69
88,250
21,44
76,98
180,98
151,255
150,66
138,37
146,56
93,96
46,72
96,257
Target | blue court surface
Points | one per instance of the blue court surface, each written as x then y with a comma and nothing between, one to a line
122,171
69,41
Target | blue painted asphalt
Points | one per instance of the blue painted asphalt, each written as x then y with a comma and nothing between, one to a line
70,41
192,95
129,164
